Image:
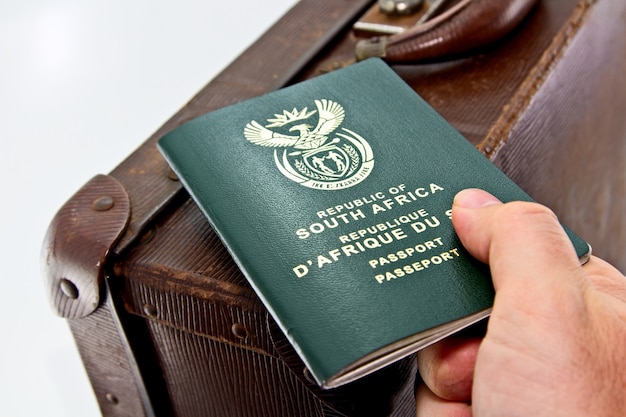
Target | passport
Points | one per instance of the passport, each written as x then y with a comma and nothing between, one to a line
334,198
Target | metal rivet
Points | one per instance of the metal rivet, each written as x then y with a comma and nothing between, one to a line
68,288
172,175
239,330
103,203
308,376
148,236
112,399
150,310
399,7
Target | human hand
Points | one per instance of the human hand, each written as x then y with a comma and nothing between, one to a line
556,340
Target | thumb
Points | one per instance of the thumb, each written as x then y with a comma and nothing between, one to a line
551,336
522,242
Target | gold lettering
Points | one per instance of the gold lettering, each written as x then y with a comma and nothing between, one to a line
302,233
377,209
434,188
349,250
408,269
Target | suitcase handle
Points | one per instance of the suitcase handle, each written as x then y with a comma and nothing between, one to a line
469,25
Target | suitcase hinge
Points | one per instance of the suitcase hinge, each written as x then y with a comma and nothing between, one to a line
77,243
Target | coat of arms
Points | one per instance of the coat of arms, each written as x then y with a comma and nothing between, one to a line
323,158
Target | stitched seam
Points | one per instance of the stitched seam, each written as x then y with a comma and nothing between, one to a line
499,133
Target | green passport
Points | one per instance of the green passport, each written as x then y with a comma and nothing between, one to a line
333,196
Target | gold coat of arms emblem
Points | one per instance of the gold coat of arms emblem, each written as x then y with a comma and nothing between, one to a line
327,157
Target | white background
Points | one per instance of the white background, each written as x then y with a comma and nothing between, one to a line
82,84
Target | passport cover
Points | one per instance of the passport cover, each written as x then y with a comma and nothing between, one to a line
333,196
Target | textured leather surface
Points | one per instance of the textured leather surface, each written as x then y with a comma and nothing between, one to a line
211,307
109,369
567,147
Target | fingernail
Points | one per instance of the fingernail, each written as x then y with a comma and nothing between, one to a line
475,198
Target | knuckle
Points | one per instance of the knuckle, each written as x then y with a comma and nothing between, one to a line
519,209
521,217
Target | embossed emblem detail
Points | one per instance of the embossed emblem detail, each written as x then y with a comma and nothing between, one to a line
326,158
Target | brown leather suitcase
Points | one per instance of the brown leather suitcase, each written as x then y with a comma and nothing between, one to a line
165,322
